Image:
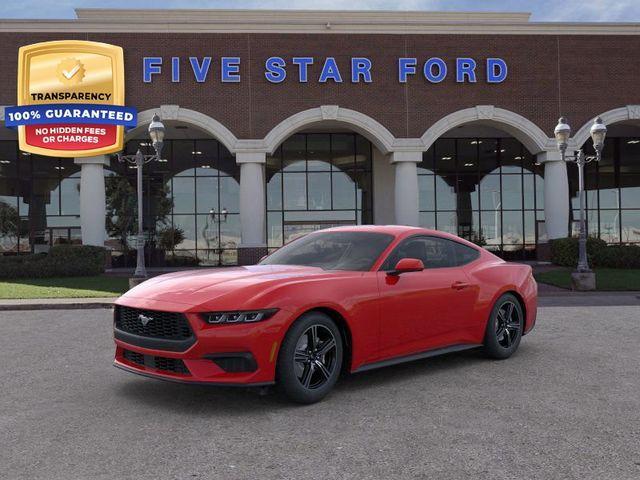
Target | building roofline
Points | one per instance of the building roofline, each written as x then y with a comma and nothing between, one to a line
310,21
262,16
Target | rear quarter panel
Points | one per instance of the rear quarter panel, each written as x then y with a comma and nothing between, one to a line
494,278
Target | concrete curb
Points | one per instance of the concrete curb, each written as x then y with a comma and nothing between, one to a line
55,304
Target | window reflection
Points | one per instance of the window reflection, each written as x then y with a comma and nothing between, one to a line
39,200
612,191
315,181
199,181
487,190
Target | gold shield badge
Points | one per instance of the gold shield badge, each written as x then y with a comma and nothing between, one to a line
74,90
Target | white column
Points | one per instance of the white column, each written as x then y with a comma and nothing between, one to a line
252,199
406,187
556,194
93,209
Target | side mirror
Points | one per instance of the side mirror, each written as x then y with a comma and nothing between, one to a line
407,265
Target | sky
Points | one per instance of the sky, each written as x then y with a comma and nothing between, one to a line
542,10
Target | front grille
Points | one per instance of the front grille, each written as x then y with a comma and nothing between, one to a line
174,365
167,325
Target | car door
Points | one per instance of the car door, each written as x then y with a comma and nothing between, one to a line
423,310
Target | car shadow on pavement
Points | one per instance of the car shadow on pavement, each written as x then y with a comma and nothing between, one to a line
412,370
207,400
197,399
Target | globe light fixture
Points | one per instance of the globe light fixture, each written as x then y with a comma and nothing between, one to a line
156,133
562,133
598,133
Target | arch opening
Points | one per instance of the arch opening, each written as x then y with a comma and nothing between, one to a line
191,199
331,116
479,182
318,177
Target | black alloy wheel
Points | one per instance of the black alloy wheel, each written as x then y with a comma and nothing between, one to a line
310,358
504,329
508,324
315,356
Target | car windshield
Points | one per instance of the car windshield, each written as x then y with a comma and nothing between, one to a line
355,251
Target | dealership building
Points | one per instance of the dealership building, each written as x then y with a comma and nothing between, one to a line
279,123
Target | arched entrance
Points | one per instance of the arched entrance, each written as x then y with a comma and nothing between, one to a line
191,200
317,179
480,179
319,171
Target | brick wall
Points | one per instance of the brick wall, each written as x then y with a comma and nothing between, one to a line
578,76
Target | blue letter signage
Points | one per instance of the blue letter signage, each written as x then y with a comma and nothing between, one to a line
429,70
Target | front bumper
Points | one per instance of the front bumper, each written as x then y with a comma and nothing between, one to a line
237,354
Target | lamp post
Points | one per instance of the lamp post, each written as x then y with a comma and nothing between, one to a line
156,133
562,133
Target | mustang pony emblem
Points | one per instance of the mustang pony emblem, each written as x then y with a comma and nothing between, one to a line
144,319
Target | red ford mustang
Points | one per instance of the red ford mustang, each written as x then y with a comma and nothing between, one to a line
339,300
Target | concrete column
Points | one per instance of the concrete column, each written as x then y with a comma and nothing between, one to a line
556,194
252,207
383,179
93,208
406,187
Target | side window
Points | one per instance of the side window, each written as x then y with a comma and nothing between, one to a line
434,252
440,253
465,254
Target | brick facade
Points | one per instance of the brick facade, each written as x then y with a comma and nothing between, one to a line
574,75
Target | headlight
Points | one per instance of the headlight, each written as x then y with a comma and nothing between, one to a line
247,316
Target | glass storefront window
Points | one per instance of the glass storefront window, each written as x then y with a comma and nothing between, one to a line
487,190
315,181
612,191
195,188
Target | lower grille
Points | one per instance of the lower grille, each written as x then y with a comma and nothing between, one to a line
174,365
133,357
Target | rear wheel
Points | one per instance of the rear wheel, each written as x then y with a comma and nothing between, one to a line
504,329
310,358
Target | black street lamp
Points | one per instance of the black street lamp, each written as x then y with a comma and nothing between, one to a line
598,132
156,133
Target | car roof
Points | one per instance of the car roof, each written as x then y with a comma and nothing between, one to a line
397,231
391,229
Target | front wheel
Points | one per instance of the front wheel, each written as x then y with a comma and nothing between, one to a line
310,358
504,329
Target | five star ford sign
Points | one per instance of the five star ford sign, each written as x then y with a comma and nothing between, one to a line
70,99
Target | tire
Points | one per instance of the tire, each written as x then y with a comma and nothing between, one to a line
310,358
504,328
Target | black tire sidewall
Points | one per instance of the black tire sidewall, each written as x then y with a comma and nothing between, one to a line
286,378
491,344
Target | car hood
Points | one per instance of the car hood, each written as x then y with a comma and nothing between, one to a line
199,287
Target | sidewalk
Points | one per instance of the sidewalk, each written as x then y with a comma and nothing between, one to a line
55,303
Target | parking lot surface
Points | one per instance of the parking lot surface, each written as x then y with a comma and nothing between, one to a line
567,405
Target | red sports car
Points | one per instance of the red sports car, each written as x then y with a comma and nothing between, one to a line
345,299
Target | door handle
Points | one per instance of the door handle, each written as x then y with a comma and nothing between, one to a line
459,285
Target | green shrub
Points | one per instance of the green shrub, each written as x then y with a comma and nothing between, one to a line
618,256
564,252
61,261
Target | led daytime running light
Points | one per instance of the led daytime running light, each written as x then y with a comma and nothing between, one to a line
248,316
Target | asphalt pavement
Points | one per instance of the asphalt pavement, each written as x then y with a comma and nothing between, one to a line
566,406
